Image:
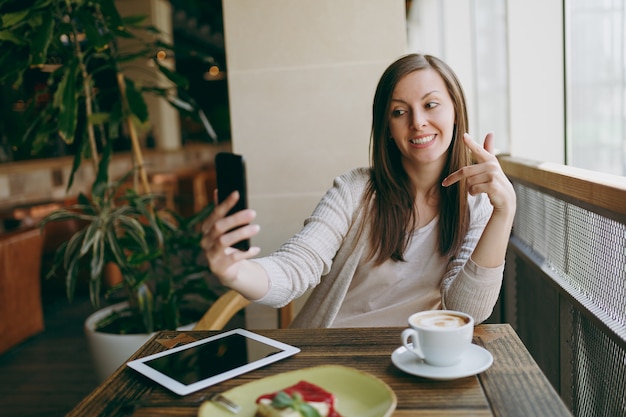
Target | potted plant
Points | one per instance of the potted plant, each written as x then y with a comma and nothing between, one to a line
165,282
85,100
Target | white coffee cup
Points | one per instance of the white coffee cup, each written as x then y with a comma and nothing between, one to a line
439,337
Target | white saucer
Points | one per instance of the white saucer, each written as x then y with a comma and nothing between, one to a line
474,361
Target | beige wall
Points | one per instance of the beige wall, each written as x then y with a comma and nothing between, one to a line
301,78
301,81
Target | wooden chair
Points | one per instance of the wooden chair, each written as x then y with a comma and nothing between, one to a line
229,304
220,313
21,310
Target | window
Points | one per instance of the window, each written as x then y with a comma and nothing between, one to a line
491,70
596,85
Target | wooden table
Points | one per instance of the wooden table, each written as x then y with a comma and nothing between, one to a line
513,386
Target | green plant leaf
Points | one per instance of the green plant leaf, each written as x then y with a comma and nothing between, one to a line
145,303
8,36
72,251
116,249
199,217
136,102
66,99
97,261
112,16
91,25
122,33
76,163
70,278
61,215
101,183
99,118
134,230
179,80
92,234
152,29
57,261
13,19
42,137
94,291
134,21
42,39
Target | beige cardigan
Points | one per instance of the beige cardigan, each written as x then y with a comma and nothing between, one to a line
325,254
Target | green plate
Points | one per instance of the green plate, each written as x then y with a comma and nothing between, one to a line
357,393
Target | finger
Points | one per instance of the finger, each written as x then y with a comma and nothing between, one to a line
222,243
470,143
220,210
480,182
453,178
219,223
224,207
239,234
489,144
226,224
479,154
466,172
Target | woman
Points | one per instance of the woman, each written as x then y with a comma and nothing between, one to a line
424,228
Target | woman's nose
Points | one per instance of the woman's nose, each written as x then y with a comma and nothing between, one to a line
418,120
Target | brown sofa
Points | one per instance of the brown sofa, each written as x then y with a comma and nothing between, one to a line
21,312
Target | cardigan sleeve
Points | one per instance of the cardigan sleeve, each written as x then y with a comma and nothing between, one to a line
300,262
467,286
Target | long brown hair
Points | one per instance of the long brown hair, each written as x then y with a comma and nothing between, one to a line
389,196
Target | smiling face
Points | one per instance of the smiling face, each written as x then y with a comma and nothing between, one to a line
421,120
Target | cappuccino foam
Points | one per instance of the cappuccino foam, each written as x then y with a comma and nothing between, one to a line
440,321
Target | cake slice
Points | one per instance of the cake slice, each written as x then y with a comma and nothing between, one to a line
299,400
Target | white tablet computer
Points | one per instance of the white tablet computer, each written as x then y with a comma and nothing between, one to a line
206,362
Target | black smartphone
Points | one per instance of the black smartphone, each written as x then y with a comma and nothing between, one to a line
230,170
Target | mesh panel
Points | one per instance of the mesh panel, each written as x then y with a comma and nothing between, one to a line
599,380
586,250
587,254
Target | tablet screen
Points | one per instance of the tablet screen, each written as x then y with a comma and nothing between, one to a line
197,365
210,359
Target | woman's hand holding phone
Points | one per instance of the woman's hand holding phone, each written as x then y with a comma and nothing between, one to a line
228,230
221,231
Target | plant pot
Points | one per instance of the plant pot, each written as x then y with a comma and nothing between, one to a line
110,351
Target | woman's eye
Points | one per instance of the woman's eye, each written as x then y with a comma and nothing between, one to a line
398,112
431,105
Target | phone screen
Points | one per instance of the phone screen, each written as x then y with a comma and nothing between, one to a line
230,170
